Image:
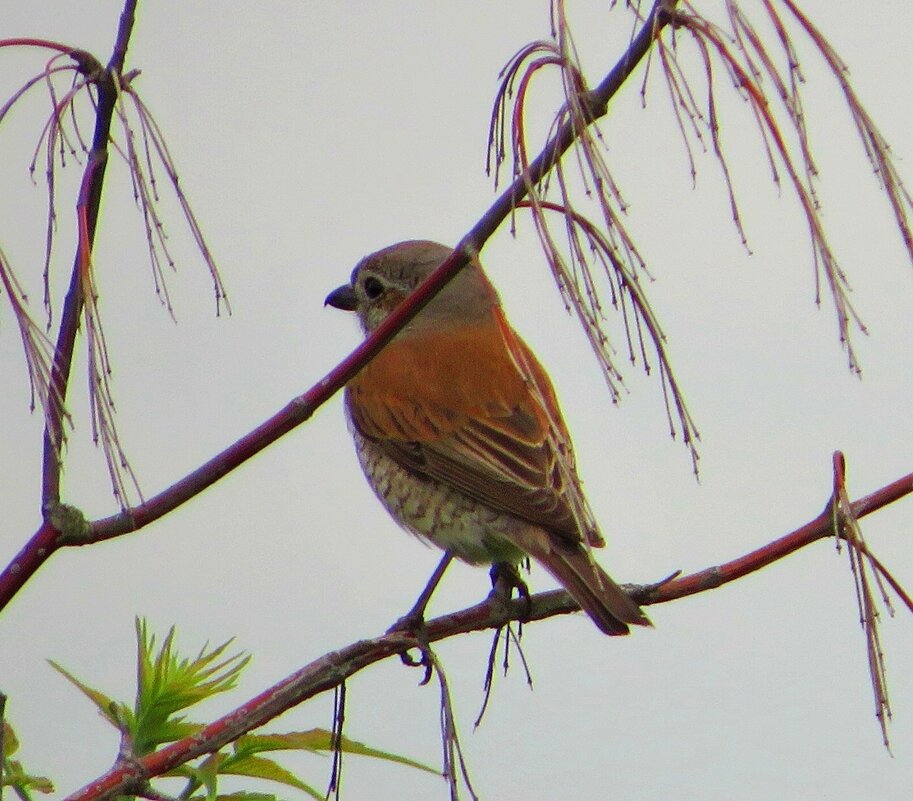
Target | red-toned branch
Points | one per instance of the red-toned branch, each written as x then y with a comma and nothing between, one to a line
24,564
334,668
93,182
46,44
37,550
821,526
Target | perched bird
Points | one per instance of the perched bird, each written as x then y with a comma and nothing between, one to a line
459,434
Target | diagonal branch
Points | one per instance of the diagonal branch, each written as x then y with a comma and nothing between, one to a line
43,543
332,669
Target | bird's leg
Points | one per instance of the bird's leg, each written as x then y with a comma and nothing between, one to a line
414,619
505,578
413,622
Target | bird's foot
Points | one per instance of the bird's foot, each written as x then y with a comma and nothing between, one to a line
414,626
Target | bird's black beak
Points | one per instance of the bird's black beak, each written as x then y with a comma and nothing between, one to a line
342,298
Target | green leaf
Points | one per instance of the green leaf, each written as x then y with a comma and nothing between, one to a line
259,768
110,709
318,741
10,741
189,772
15,776
207,773
239,796
168,683
314,741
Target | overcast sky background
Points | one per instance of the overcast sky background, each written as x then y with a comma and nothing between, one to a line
309,134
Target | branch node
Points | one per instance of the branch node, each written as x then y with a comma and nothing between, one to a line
646,593
86,63
70,522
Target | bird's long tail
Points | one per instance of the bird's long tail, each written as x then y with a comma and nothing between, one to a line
610,607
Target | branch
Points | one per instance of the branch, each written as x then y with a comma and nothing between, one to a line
336,667
90,200
42,545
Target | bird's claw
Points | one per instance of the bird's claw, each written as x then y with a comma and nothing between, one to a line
505,578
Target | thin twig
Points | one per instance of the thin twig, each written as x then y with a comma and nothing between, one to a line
73,304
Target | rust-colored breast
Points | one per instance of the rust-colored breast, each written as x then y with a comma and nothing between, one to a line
471,407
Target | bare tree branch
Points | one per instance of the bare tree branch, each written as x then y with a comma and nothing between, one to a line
43,544
106,83
331,670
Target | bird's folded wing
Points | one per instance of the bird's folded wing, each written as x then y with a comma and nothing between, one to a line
468,461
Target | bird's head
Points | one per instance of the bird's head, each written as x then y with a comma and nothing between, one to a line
382,280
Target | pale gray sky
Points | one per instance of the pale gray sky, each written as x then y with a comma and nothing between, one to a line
309,134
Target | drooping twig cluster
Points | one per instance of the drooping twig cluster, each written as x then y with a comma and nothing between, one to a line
140,143
592,253
767,74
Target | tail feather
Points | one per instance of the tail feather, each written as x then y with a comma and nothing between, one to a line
609,606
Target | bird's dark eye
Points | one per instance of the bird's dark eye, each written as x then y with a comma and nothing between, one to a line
373,288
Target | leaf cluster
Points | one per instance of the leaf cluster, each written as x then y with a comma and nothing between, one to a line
168,684
14,775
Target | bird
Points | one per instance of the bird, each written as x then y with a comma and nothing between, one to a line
459,433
